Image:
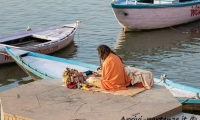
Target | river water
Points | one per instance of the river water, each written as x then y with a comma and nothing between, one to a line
171,51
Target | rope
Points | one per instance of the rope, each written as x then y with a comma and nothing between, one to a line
164,21
91,15
158,82
162,78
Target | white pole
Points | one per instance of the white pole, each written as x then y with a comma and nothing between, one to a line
126,1
135,2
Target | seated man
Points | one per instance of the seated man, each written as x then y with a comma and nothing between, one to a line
113,75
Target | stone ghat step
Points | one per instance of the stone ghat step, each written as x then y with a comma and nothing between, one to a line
49,100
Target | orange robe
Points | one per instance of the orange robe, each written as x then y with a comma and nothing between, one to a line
113,74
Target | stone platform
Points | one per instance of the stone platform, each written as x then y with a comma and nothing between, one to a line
49,100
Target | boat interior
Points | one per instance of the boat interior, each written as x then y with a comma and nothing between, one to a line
25,41
37,37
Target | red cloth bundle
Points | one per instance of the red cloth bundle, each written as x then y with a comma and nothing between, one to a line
138,84
71,85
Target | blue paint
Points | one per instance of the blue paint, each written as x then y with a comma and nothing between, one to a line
150,6
188,101
63,60
183,87
179,86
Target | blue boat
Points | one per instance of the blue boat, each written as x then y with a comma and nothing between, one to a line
49,67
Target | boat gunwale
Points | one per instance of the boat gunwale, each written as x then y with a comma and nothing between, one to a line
29,33
91,66
140,5
52,42
178,86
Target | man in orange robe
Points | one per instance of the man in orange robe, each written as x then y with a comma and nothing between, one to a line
113,74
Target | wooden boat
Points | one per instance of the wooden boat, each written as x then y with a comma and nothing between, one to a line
49,67
154,14
45,40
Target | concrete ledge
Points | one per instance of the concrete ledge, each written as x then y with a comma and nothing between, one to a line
48,100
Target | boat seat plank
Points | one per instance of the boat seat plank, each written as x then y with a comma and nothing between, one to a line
53,34
5,38
50,67
32,43
19,52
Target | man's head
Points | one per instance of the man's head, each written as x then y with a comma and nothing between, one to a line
103,51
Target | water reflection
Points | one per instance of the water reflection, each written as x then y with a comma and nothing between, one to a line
12,76
173,52
67,52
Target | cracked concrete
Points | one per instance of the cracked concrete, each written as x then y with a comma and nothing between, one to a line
48,100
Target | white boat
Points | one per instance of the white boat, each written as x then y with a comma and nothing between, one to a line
154,14
49,67
45,40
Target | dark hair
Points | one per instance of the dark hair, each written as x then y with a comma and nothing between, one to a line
103,52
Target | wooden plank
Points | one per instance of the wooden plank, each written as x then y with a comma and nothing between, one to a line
191,107
19,52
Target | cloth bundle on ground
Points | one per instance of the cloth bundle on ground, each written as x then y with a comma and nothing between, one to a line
90,81
140,76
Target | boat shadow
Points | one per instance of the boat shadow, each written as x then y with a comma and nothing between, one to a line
67,52
155,42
